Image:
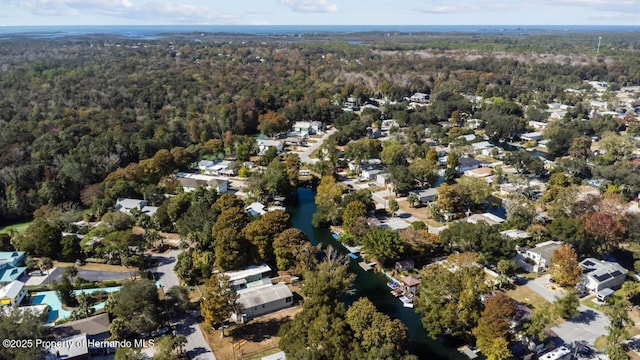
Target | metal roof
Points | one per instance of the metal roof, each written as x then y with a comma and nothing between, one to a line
264,295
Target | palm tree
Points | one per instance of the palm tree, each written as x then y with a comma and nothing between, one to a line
45,264
412,199
179,342
71,272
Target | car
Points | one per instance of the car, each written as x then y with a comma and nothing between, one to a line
551,280
161,331
36,273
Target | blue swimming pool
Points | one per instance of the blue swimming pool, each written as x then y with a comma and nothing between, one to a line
56,312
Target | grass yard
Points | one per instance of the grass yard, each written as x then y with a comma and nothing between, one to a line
20,228
526,295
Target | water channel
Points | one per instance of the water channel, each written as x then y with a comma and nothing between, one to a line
370,284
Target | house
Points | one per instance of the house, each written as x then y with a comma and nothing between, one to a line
484,147
467,163
388,123
308,127
70,348
261,300
351,103
488,218
126,206
264,144
41,310
190,182
241,278
383,179
468,138
258,209
95,327
395,224
599,86
371,173
411,283
532,136
420,98
539,256
516,234
601,274
11,268
294,141
427,195
13,294
479,172
218,167
405,265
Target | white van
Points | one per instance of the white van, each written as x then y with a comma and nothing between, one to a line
604,294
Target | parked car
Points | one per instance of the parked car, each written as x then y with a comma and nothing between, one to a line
161,331
36,273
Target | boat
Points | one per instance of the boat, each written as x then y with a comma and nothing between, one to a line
406,302
334,235
353,256
396,292
393,284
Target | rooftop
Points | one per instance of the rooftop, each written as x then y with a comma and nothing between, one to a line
264,295
249,271
601,270
12,290
486,217
62,350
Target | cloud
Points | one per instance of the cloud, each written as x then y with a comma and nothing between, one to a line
310,6
464,7
164,12
602,5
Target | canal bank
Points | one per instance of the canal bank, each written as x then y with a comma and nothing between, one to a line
369,284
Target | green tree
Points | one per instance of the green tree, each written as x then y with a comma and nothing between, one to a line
219,300
619,322
449,296
352,212
412,199
41,239
127,353
383,244
230,249
476,190
393,207
138,306
425,172
177,299
376,335
328,199
17,324
542,317
566,307
294,251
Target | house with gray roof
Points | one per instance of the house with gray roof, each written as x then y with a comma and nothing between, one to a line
601,274
254,302
538,258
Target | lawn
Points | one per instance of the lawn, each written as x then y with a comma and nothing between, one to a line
20,228
526,295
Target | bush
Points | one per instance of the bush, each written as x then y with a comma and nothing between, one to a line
96,260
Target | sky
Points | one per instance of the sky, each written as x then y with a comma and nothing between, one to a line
319,12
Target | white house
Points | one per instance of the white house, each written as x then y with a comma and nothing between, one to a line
420,98
600,274
383,179
264,144
190,182
218,167
539,256
488,218
307,127
253,302
483,147
426,196
532,136
254,273
126,205
13,293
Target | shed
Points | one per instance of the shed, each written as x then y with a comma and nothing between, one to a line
405,265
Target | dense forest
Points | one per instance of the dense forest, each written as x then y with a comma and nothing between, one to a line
75,110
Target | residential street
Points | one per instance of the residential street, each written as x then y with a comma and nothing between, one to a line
197,347
587,326
304,156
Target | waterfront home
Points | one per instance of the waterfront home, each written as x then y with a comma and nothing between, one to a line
261,300
601,274
241,279
411,284
405,265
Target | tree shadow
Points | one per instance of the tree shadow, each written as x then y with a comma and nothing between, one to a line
585,317
258,331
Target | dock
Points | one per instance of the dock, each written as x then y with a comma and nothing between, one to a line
366,266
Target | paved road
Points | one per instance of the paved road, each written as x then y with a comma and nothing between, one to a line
197,347
304,156
587,326
89,275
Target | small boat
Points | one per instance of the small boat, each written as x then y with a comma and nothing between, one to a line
406,302
334,235
353,256
396,292
393,284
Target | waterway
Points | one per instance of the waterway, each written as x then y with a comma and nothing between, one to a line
370,284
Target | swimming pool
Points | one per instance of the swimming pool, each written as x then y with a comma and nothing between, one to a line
56,312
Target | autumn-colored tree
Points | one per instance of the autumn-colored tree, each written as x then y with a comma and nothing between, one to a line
327,198
565,268
450,197
219,300
604,229
272,123
419,241
493,326
580,147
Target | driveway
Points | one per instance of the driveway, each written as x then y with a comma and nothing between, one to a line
197,347
304,156
587,326
55,274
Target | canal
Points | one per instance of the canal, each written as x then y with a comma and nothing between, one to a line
370,284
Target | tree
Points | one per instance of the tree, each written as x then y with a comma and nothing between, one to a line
294,251
541,317
230,249
393,153
424,172
327,198
383,244
494,324
393,207
45,264
449,296
219,301
19,325
450,197
352,212
376,335
619,322
525,163
127,353
261,232
412,199
41,239
566,307
604,229
401,178
177,299
138,306
565,267
476,190
580,147
419,241
272,123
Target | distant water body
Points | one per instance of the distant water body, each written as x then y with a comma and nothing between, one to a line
158,31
